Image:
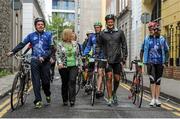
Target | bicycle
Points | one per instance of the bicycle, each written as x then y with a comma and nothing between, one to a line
80,77
79,80
137,84
93,80
21,83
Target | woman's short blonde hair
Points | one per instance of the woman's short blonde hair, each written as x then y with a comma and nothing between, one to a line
74,36
67,35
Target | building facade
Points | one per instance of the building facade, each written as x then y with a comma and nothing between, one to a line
166,13
87,13
31,10
64,8
111,7
124,22
10,31
15,25
48,10
170,25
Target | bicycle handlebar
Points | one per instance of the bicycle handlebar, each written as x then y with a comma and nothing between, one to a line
136,62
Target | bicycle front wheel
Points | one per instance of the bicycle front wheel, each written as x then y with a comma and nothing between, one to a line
139,92
78,82
123,77
26,84
93,82
16,91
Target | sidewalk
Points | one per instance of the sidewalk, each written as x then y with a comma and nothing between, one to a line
169,87
5,85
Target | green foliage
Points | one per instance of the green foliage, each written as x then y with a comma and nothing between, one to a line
4,72
57,25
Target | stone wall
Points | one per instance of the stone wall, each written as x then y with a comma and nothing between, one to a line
5,32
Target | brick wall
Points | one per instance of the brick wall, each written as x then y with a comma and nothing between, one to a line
172,72
176,72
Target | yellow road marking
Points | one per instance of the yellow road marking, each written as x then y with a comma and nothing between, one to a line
147,98
176,108
176,113
7,101
8,107
5,110
165,107
4,103
124,86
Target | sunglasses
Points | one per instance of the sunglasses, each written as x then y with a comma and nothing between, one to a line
157,29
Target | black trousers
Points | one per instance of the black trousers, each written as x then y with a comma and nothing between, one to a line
68,89
52,69
40,75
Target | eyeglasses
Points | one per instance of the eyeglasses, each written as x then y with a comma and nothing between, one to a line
157,29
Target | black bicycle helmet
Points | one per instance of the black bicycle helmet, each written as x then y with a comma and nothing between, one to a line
110,16
39,19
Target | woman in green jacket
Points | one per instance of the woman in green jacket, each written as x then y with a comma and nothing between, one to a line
68,60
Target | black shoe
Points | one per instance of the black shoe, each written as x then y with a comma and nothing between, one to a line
72,104
65,103
99,94
48,99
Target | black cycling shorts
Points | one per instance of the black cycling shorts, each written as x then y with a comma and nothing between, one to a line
116,68
102,64
155,72
91,66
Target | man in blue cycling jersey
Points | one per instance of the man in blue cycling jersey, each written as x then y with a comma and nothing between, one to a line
41,42
91,47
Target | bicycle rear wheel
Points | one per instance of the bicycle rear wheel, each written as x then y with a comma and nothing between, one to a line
78,82
16,91
124,78
133,94
93,83
103,85
139,91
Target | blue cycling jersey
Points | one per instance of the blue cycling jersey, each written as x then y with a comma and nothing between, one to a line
155,49
91,47
40,42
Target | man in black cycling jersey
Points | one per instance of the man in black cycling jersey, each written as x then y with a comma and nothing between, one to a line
113,42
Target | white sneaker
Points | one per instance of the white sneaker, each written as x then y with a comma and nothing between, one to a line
152,103
158,103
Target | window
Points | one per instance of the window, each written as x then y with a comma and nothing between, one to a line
63,4
156,13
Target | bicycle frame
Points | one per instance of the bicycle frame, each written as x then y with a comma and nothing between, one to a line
94,80
137,83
